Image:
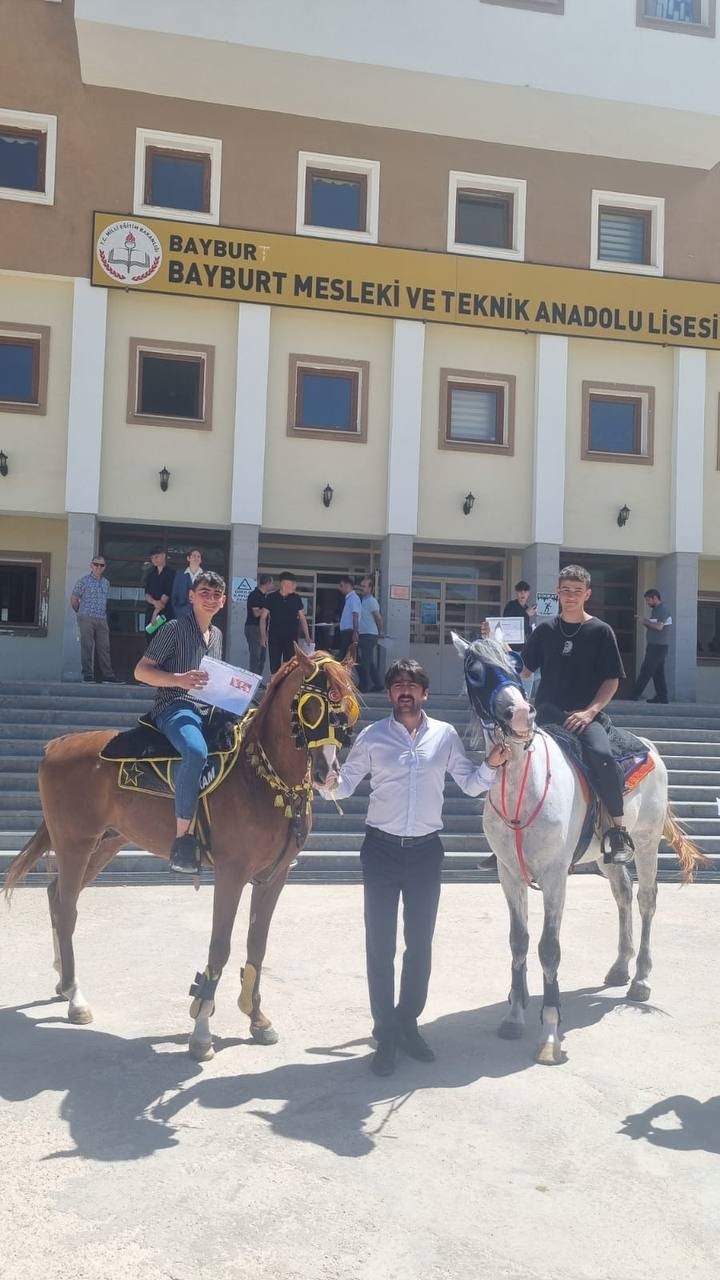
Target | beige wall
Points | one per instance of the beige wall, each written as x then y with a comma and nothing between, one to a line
709,575
297,470
595,491
36,444
711,510
31,657
200,461
502,484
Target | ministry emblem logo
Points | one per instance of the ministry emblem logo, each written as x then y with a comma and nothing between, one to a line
129,251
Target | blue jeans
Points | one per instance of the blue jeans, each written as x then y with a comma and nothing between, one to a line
183,726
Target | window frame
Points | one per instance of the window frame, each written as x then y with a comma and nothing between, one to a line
30,122
706,29
314,172
42,595
609,391
168,143
625,202
39,336
466,379
197,352
515,188
337,167
203,156
328,365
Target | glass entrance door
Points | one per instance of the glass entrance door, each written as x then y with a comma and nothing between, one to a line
614,599
318,566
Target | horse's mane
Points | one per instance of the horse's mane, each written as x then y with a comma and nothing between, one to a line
338,673
494,655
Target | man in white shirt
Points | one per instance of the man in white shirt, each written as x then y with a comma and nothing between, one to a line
371,630
407,756
350,616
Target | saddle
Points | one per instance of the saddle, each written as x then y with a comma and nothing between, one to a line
630,752
147,762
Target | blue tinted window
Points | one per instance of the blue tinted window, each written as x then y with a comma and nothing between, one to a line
326,402
17,372
337,202
178,181
613,426
21,160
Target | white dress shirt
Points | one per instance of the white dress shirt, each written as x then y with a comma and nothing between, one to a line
407,774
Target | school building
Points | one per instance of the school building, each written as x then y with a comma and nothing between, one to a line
424,291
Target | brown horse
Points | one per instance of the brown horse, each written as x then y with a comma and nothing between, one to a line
260,819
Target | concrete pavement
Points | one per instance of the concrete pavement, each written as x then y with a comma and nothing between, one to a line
122,1157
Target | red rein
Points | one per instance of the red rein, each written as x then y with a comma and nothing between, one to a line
514,823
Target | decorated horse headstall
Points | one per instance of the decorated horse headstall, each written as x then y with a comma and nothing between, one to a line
322,714
485,682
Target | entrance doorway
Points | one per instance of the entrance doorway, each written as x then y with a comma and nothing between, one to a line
126,549
318,565
614,599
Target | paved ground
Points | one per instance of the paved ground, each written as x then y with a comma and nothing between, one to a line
120,1157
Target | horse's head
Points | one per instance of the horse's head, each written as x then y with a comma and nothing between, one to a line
494,687
324,710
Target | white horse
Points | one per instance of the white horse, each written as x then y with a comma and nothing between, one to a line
534,815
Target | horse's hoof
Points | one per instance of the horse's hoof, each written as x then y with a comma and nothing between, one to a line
59,991
638,991
509,1030
264,1035
550,1054
618,976
201,1050
80,1014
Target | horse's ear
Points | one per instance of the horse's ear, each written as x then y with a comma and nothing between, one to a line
304,661
461,645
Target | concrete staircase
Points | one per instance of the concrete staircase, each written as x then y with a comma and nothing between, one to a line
688,736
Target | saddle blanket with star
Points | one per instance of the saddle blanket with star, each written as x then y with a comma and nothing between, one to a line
147,761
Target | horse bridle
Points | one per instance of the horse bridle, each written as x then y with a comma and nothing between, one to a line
491,723
330,725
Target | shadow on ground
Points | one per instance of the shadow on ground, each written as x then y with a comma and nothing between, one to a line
121,1095
699,1124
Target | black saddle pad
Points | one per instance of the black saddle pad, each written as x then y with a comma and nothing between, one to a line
146,742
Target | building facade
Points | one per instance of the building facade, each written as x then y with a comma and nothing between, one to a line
349,289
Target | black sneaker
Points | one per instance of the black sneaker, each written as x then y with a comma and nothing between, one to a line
658,702
109,680
184,855
384,1059
412,1043
617,846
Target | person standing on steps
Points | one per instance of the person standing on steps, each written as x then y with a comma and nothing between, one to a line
407,756
257,643
182,582
89,599
158,587
658,639
371,630
349,618
284,614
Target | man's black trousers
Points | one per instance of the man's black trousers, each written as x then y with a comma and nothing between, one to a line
390,870
280,649
597,753
653,668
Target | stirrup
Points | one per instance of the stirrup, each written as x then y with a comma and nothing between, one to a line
617,846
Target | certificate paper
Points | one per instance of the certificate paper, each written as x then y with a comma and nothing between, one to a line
511,630
228,687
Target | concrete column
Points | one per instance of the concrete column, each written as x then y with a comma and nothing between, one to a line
677,582
246,505
551,364
243,564
406,382
541,566
81,544
85,411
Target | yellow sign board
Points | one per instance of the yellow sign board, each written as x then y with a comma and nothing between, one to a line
199,261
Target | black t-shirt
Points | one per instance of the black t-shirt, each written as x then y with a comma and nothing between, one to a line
573,661
159,582
514,609
284,612
256,600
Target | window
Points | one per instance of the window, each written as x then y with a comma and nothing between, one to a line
627,232
477,411
27,156
454,591
708,627
693,17
23,368
24,593
328,398
177,175
486,216
337,197
617,423
170,384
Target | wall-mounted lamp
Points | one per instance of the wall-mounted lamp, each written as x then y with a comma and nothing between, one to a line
3,463
623,516
164,479
327,495
468,503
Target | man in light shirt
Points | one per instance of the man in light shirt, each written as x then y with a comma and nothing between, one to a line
407,756
350,617
371,630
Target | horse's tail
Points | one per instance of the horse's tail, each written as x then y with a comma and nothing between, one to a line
686,852
36,847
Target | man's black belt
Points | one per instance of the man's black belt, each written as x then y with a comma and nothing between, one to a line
403,842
